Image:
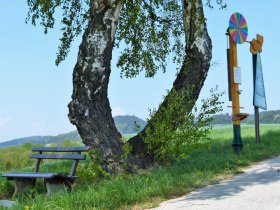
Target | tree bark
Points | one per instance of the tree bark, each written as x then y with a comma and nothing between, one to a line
90,109
191,76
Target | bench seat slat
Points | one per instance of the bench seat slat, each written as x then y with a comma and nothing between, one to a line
60,149
59,156
29,175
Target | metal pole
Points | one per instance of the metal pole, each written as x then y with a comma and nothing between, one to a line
257,124
256,109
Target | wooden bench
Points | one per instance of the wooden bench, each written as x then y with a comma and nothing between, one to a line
54,181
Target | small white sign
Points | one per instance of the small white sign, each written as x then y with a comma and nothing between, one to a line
237,75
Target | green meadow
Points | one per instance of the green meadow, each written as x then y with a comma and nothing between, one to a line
206,165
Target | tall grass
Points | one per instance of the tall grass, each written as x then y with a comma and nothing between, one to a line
206,165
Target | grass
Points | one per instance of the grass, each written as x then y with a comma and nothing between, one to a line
128,136
206,165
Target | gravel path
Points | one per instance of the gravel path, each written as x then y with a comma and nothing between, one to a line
258,188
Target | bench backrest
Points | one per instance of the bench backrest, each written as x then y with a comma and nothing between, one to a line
69,153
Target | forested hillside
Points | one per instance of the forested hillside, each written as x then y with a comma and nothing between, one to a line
266,117
59,139
127,124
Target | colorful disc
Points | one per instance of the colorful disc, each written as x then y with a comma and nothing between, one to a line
238,28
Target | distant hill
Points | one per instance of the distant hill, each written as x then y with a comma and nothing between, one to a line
125,125
59,139
266,117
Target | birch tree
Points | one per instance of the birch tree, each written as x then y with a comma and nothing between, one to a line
151,30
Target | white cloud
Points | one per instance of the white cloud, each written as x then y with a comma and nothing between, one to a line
118,111
4,121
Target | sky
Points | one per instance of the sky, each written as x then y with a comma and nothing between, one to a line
34,92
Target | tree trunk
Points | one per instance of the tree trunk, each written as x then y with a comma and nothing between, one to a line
90,109
191,76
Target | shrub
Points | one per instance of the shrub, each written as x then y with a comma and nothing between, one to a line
175,131
90,171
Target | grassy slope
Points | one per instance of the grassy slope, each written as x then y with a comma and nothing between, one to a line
205,166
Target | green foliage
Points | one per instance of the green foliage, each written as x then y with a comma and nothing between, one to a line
127,124
74,15
51,145
72,136
175,132
137,127
127,148
13,159
91,171
126,137
206,165
266,117
220,3
69,143
16,157
6,188
151,30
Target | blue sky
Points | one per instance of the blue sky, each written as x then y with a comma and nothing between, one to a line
35,93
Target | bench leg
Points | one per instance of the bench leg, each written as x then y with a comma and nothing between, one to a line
22,185
57,184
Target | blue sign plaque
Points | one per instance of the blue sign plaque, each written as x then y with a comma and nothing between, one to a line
259,93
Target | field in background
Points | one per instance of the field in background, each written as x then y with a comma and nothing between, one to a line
206,165
225,132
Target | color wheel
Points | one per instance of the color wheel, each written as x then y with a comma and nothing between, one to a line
238,28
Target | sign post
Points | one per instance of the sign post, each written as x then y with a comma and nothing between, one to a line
237,33
259,99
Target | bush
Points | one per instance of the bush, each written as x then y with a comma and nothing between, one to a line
16,157
6,188
175,131
90,171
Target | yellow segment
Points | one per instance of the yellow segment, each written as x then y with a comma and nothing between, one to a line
234,87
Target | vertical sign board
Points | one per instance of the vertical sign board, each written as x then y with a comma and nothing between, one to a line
259,91
237,75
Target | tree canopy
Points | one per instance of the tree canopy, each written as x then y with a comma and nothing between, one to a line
151,30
